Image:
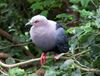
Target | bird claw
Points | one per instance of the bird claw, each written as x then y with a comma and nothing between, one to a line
43,58
57,56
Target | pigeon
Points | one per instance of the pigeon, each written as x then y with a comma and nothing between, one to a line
47,35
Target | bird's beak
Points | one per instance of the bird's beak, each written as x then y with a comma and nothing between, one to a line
28,25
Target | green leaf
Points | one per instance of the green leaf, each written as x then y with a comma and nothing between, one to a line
77,30
97,38
76,73
44,13
75,7
10,60
51,4
96,63
74,1
85,3
65,74
97,22
47,3
87,27
98,12
50,73
2,75
67,65
62,15
84,13
73,43
90,74
3,5
70,30
95,50
33,74
86,39
16,72
37,6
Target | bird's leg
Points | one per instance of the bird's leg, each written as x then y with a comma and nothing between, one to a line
43,58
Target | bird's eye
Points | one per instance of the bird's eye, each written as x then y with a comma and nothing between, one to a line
36,21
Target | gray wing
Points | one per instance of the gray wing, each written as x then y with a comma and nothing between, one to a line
61,39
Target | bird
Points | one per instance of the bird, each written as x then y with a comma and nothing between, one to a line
47,35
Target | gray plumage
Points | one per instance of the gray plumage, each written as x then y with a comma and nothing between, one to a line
62,40
48,35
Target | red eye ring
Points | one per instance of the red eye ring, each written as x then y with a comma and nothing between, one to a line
36,21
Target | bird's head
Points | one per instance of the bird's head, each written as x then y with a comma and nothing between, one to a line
37,20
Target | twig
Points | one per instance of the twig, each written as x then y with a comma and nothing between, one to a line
87,69
16,45
93,3
74,55
3,72
73,21
80,53
79,63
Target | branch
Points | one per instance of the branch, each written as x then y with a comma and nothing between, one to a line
94,3
19,64
37,59
3,71
31,60
88,69
16,45
78,54
85,68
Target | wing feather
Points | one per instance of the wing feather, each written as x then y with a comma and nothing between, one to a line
61,39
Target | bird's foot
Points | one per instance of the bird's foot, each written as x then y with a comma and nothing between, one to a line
57,56
43,58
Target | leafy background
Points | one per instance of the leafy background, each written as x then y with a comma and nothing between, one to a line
79,17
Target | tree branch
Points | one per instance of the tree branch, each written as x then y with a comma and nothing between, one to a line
16,45
3,71
88,69
19,64
37,59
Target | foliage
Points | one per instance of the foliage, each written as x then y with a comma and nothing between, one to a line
84,51
16,72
